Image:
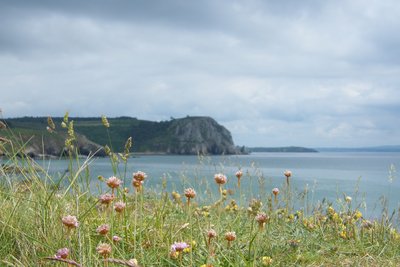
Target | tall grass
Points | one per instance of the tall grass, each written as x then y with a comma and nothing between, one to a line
174,228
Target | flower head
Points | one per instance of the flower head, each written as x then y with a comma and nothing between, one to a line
116,239
220,178
137,184
70,221
275,191
211,233
239,174
113,182
103,229
104,249
266,261
62,253
179,246
348,199
119,206
139,176
230,236
106,199
287,173
262,218
190,193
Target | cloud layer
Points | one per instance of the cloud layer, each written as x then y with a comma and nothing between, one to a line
311,73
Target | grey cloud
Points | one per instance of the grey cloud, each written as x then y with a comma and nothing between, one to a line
275,73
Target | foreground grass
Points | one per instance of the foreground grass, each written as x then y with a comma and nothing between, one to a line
262,232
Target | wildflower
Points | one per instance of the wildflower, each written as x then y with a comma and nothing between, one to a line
179,246
137,184
104,249
348,199
343,234
62,253
211,233
176,197
357,215
239,175
262,218
275,191
119,206
189,193
139,176
103,229
230,236
106,199
116,239
70,221
113,182
220,179
288,174
266,261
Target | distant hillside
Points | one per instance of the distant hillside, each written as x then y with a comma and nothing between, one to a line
281,149
190,135
361,149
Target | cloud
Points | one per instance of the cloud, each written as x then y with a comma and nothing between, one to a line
275,73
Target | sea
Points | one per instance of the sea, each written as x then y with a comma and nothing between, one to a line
369,178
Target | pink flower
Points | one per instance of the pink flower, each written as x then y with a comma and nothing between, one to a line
179,246
211,233
116,239
103,229
230,236
220,178
62,253
239,174
190,193
70,221
275,191
119,206
104,249
106,199
139,176
287,173
113,182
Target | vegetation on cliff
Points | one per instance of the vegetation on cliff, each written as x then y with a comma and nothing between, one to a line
190,135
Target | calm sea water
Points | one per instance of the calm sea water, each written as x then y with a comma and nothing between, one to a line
366,177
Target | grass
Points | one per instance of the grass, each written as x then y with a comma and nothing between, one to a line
261,232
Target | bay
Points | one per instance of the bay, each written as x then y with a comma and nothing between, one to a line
369,178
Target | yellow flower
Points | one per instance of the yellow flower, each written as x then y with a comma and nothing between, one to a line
266,261
343,234
357,215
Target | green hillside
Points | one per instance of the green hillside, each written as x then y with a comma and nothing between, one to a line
188,135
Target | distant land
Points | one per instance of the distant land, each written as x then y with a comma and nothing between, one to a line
393,148
189,135
292,149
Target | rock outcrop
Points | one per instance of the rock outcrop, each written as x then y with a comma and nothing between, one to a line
199,135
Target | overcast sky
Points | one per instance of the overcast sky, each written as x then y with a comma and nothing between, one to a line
275,73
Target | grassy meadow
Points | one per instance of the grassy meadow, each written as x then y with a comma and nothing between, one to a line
59,221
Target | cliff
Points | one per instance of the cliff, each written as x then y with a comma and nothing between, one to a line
190,135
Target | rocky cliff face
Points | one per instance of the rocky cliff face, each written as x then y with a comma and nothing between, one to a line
199,135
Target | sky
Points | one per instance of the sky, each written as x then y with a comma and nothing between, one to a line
274,73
